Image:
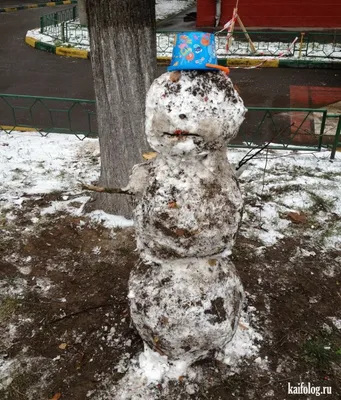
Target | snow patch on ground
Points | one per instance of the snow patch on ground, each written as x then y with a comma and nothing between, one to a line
336,322
166,8
110,221
245,343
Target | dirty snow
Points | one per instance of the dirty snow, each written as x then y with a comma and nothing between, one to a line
167,8
150,369
32,166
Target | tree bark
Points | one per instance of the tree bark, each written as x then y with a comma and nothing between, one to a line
83,19
123,57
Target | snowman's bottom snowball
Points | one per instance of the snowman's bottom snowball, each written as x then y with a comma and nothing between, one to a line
186,308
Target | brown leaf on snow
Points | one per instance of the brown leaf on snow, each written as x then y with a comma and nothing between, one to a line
297,218
212,262
242,326
150,155
164,320
62,346
175,76
172,204
180,232
57,396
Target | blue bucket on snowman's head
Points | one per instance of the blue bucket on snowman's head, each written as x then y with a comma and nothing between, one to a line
193,50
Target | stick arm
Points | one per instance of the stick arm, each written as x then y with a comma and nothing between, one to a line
138,182
102,189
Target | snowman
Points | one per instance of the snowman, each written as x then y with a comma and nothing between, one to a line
185,295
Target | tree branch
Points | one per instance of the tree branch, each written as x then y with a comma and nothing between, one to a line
101,189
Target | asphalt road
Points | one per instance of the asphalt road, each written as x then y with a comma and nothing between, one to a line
13,3
24,70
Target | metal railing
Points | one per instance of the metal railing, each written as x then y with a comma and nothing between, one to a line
284,128
63,26
48,114
56,25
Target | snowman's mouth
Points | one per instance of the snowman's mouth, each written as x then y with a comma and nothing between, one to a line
179,133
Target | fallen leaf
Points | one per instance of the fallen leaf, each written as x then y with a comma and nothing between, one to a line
156,339
175,76
164,320
181,378
150,155
243,327
297,218
212,262
62,346
57,396
173,204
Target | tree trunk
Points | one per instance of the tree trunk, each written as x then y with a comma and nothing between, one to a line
123,57
83,19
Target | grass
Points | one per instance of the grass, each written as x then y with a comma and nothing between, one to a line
322,351
8,306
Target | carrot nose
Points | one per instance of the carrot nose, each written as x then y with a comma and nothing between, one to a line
225,69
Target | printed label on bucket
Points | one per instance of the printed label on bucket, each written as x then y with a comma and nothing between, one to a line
193,50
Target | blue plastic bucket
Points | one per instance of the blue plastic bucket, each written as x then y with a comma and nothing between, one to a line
193,50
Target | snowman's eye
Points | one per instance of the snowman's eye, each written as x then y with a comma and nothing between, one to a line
182,116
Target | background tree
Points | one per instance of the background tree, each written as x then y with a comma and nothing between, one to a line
123,58
81,5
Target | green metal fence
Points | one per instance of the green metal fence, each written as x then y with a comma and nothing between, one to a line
48,114
63,26
280,128
57,25
337,137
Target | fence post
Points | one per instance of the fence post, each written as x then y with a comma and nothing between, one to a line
62,31
323,124
301,44
74,15
336,139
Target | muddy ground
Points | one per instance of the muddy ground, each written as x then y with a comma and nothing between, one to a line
64,316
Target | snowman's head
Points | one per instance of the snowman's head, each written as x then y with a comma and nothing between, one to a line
192,113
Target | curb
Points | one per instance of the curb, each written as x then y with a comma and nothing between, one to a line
11,128
244,62
238,62
37,5
60,51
